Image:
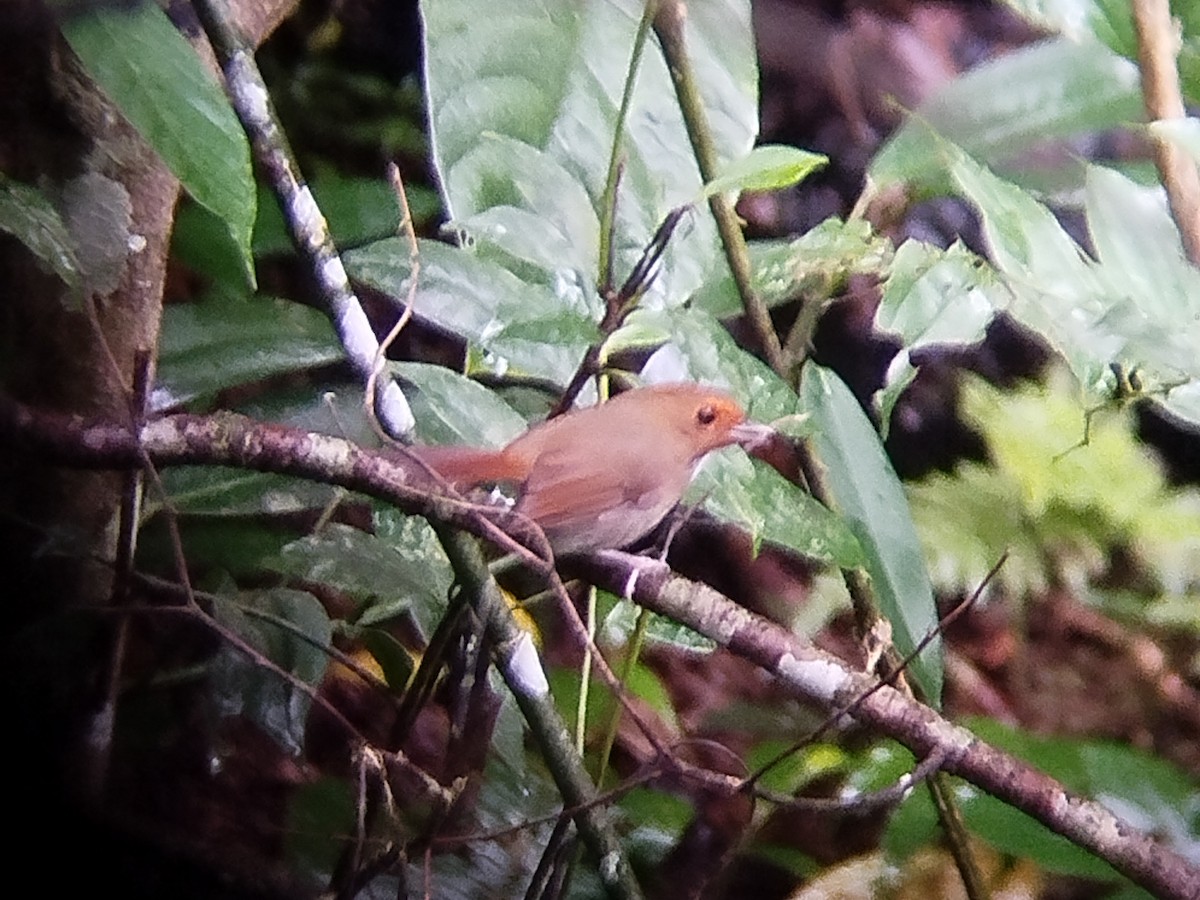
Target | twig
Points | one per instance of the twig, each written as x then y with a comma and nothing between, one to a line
608,202
414,261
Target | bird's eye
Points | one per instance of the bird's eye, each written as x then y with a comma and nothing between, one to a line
706,415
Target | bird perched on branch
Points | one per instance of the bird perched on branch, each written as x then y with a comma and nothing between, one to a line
605,476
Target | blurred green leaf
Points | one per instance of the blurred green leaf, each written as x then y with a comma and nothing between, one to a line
771,508
452,409
233,544
334,409
871,499
319,815
1111,22
222,491
370,568
1144,790
814,266
1185,132
29,216
1004,107
290,629
622,620
1058,508
225,340
798,768
394,661
478,299
418,550
933,296
156,79
768,167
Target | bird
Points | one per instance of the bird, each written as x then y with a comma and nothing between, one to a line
605,476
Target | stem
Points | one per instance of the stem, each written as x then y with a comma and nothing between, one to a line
669,26
519,666
608,201
1158,48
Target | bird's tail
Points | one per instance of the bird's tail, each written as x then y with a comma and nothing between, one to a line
467,466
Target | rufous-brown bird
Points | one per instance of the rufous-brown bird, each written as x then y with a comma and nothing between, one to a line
605,476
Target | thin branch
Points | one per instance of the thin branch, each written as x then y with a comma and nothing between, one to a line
1158,50
307,225
608,202
669,24
521,668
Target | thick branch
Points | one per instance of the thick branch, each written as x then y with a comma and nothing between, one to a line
227,439
827,680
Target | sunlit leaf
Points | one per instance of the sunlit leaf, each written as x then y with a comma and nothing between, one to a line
767,168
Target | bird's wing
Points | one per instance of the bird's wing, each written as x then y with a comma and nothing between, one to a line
611,501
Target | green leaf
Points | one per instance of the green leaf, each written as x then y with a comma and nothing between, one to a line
1058,507
1144,263
1136,306
814,266
500,172
290,629
221,491
357,210
870,497
31,218
235,545
394,661
1057,290
1077,19
226,340
622,619
1004,107
1185,132
318,814
156,79
560,104
769,167
1144,790
370,568
335,409
413,542
478,299
771,508
933,296
452,409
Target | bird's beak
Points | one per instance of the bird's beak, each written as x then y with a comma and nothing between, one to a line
752,436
